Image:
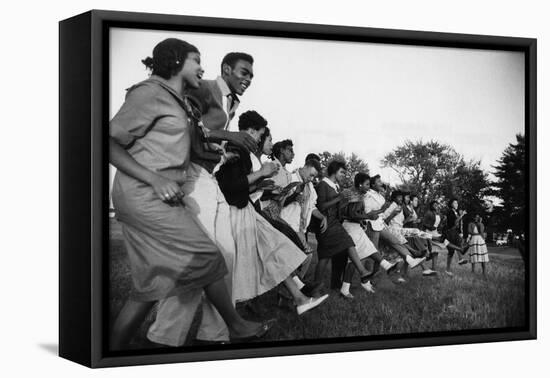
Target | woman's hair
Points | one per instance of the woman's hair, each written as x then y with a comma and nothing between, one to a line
169,57
315,164
413,196
252,120
360,178
432,203
261,143
334,166
233,57
395,194
373,180
279,147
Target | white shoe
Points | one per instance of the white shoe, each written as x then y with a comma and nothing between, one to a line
311,304
450,274
368,287
416,262
401,280
429,272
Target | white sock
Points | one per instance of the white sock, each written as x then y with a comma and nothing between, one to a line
345,288
298,282
385,264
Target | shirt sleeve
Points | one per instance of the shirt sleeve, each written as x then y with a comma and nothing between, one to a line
369,203
137,115
389,210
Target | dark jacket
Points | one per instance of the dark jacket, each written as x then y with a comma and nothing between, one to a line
452,221
232,178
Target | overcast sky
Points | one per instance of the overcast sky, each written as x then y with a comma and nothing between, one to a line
357,97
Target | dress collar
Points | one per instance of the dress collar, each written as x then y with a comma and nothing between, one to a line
333,185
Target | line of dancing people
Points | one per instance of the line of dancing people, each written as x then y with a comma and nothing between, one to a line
208,222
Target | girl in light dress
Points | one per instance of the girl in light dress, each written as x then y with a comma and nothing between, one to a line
478,249
265,257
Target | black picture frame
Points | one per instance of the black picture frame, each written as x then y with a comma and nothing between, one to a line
83,181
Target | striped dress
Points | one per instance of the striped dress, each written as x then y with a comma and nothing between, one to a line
478,248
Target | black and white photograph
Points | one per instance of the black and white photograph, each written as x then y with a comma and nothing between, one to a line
266,190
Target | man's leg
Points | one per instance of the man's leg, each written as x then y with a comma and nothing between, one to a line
175,317
212,327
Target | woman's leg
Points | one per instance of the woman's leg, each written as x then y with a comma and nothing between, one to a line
303,303
218,295
299,297
483,269
129,319
434,260
450,254
321,269
354,257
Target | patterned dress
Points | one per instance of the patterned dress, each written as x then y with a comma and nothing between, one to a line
478,248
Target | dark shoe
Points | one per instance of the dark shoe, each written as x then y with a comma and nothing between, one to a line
462,261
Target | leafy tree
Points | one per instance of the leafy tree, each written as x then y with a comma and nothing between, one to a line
510,186
435,171
354,164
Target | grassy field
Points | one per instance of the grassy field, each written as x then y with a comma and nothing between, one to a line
423,304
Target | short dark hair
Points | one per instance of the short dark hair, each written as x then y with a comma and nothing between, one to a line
279,147
334,166
373,179
169,57
360,178
233,57
251,120
315,164
432,203
313,156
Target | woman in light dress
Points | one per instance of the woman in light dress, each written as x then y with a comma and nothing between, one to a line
265,257
169,252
